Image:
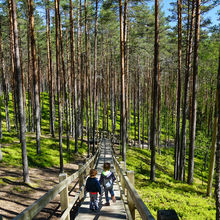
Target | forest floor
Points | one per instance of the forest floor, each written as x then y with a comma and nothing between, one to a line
15,196
189,201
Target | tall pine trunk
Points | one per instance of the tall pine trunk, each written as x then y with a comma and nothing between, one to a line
213,148
65,84
194,96
185,101
4,82
12,65
22,116
155,93
135,123
125,32
87,84
82,78
49,63
138,105
57,14
107,93
95,71
73,75
35,76
78,74
177,139
123,113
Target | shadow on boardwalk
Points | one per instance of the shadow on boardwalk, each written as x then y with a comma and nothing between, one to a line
115,210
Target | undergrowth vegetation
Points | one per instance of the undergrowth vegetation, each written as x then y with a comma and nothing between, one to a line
49,157
189,201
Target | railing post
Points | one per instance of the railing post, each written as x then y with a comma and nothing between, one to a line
64,200
81,177
122,164
92,164
87,168
1,158
131,204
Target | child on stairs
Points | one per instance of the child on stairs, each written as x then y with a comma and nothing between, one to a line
107,179
93,187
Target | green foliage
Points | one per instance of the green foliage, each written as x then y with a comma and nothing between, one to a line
11,148
189,201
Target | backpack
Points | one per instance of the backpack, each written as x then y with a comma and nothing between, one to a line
108,182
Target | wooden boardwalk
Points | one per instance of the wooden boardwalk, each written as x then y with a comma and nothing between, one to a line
115,210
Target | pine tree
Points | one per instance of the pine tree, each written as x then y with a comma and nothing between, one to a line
194,95
155,93
35,75
19,90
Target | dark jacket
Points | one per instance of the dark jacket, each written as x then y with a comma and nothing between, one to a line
93,185
106,175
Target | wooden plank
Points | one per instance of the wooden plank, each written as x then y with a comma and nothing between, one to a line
42,202
139,204
116,210
71,203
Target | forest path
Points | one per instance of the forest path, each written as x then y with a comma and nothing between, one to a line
115,210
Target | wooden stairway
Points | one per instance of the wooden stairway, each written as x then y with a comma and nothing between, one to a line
115,210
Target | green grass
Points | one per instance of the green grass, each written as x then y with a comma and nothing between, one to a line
189,201
11,148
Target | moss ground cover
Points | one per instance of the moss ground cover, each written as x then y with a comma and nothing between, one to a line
11,148
189,201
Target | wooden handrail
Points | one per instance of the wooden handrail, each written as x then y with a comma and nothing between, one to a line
38,205
139,204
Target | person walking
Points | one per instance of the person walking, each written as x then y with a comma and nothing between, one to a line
107,179
93,187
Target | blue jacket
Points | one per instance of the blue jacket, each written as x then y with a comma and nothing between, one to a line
93,185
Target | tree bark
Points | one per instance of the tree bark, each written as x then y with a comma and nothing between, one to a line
39,83
159,107
50,74
95,71
125,32
58,82
4,82
65,84
107,93
177,139
194,96
82,78
148,102
12,55
87,84
35,76
181,165
29,80
78,73
22,116
73,75
138,99
213,148
155,93
123,113
134,103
